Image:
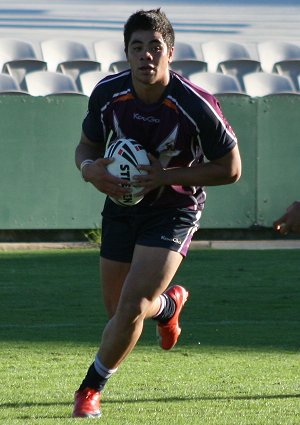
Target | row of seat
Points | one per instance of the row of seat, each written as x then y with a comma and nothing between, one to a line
43,83
108,51
219,66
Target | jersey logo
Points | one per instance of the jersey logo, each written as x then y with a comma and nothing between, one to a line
151,120
167,148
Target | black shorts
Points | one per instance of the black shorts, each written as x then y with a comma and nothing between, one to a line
125,227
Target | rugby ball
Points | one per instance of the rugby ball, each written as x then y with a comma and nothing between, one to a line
127,155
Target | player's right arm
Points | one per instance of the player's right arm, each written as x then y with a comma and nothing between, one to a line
290,221
93,168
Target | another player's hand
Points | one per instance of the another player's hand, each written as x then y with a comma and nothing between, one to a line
290,221
97,174
154,177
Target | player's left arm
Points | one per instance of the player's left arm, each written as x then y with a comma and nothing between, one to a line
221,171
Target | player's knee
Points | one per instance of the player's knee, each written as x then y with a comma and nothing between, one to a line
131,312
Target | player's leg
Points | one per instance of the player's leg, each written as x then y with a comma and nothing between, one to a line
162,244
113,275
151,271
165,309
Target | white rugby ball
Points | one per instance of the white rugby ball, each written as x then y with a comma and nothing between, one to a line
127,155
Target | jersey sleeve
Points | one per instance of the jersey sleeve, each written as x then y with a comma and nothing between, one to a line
92,125
217,136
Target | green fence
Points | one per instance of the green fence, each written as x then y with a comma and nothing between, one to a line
42,189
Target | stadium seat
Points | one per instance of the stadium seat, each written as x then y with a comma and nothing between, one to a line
110,53
186,67
118,66
272,52
44,83
263,84
17,58
75,68
19,68
68,56
11,49
184,50
88,80
9,86
216,52
289,68
238,68
216,83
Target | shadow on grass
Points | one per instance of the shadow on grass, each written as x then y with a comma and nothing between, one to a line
159,400
238,298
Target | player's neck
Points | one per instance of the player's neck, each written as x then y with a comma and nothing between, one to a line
149,93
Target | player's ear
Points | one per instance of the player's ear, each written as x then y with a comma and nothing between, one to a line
171,53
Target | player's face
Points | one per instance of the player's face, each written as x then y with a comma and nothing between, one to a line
149,58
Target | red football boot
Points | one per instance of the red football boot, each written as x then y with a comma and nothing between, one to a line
168,333
87,404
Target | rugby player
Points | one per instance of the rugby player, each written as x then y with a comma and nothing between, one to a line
190,145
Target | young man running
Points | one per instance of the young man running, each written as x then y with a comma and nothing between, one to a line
179,125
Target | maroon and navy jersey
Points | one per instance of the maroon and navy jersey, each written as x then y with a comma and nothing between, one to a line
182,129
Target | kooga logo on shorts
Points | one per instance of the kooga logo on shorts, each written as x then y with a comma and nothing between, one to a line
176,240
146,119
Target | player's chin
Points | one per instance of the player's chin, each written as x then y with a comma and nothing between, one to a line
146,77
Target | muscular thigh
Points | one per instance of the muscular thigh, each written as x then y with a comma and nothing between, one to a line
151,271
143,280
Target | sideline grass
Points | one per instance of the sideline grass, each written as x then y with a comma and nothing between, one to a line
237,361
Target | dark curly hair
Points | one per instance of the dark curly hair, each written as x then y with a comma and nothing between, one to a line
149,20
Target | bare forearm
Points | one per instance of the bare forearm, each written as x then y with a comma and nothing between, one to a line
208,174
222,171
83,152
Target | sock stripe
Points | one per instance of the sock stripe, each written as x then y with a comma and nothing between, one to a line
103,370
162,305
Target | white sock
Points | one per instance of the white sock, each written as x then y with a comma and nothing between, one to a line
102,370
162,305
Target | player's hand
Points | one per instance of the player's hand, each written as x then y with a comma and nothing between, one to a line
290,221
154,177
97,174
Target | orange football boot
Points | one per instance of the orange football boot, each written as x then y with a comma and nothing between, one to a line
168,333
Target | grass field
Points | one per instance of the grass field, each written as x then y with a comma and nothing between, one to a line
236,363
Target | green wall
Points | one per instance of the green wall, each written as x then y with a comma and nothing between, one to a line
40,187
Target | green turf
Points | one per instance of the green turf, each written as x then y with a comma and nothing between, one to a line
237,361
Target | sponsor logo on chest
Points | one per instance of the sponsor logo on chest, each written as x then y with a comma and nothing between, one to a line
150,119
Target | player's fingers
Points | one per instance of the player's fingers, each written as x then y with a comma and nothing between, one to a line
277,223
283,229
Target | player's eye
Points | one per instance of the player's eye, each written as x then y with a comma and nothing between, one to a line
156,49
